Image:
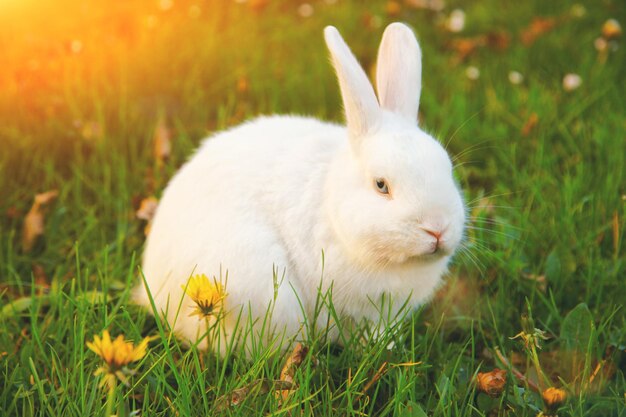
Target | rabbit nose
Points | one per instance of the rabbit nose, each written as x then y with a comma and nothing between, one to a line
434,233
437,235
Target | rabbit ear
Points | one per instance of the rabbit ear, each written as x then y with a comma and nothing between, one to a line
399,71
359,100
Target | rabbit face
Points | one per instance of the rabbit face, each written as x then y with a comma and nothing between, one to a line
417,216
424,206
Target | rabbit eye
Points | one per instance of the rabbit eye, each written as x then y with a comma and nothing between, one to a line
381,186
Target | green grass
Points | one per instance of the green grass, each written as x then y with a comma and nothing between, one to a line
547,205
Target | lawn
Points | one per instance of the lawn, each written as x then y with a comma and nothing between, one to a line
102,101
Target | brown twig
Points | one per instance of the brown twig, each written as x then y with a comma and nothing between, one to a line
256,387
596,370
381,371
517,373
171,405
20,340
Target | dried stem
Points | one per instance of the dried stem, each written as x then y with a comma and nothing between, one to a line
517,373
381,371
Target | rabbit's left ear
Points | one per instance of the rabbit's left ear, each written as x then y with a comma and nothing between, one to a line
359,100
399,71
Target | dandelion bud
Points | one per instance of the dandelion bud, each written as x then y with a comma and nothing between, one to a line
528,324
554,398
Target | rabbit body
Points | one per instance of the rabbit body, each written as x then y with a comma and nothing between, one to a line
289,206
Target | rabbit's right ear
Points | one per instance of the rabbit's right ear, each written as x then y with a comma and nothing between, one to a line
399,71
359,100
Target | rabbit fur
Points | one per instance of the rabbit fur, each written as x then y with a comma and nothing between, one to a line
289,206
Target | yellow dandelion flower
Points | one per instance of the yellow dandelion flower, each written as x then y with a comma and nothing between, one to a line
117,354
208,296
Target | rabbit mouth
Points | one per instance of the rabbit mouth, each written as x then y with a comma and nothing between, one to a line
422,257
435,255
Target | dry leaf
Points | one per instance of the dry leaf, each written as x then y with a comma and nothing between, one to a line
434,5
34,221
146,211
147,208
538,27
498,40
491,383
464,47
42,283
530,124
467,46
393,8
371,21
162,142
294,361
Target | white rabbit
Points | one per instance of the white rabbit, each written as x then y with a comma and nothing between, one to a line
371,208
